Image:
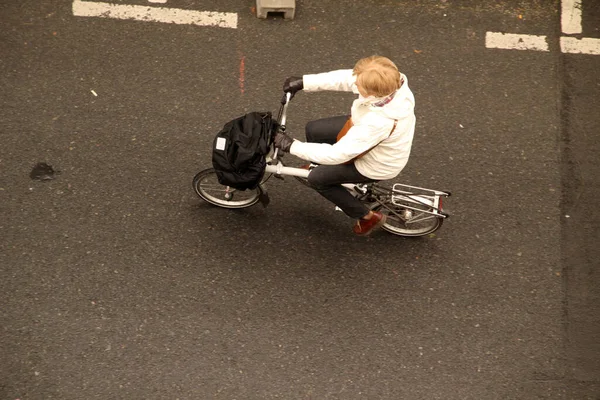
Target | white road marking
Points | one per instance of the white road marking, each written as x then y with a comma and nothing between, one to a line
571,25
580,46
571,16
154,14
158,1
512,41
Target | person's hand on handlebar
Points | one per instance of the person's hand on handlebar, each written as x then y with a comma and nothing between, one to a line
292,85
283,142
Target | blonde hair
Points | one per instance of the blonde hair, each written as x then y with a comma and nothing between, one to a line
377,75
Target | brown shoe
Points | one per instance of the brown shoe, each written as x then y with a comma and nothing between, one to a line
364,227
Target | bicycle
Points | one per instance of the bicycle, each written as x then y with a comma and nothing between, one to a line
411,211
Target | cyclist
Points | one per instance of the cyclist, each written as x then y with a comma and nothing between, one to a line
377,144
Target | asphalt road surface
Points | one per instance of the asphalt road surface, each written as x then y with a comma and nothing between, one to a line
119,283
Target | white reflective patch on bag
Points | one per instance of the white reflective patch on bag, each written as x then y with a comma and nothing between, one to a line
220,143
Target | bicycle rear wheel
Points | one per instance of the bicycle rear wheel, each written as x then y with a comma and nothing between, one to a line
207,186
409,222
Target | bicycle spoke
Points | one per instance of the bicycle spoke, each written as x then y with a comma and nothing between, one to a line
208,188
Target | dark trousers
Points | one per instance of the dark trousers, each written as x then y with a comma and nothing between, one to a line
327,179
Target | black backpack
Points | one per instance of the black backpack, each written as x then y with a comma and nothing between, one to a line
240,149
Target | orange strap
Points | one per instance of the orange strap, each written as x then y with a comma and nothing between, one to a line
345,130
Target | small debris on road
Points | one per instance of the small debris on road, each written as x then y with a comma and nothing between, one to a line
42,172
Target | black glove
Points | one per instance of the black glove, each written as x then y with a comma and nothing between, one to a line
283,142
293,84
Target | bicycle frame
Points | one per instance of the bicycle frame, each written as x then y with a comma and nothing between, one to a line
280,169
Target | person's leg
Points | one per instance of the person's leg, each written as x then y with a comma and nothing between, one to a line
327,180
325,130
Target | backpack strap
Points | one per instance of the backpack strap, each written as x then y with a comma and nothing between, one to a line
349,123
344,129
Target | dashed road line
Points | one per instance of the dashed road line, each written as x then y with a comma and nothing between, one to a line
154,14
571,17
512,41
580,46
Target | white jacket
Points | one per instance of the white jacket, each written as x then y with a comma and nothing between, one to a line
372,125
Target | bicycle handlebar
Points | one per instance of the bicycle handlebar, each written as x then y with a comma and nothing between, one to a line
281,117
287,96
285,101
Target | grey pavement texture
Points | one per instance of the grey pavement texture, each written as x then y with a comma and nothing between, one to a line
119,283
581,227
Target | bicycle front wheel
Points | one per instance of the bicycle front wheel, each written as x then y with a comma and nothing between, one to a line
207,186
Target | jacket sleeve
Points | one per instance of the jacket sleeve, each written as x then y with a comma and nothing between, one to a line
358,140
341,80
